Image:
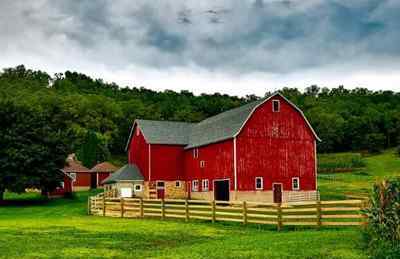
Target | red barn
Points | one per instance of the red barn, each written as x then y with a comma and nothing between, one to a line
262,151
100,172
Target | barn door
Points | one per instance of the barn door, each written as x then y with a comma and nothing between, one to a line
160,190
221,190
93,180
277,187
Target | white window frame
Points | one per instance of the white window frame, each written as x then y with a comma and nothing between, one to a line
262,183
205,185
195,153
195,185
140,188
273,105
298,184
202,164
73,176
178,184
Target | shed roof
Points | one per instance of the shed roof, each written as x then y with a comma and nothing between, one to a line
104,167
129,172
217,128
74,166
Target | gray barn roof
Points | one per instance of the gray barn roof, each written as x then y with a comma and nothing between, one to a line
129,172
220,127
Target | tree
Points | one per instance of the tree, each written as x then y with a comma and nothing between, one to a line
375,142
93,150
33,148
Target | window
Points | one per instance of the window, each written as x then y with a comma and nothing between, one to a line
138,187
126,192
276,105
73,176
204,186
295,183
195,186
202,163
195,153
160,185
178,184
259,183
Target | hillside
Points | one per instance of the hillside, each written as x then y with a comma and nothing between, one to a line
359,182
346,120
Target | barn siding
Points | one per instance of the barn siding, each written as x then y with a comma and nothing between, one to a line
167,162
276,146
139,153
218,163
82,179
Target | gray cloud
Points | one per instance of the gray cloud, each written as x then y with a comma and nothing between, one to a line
224,36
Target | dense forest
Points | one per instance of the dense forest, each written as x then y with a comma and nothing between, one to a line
357,119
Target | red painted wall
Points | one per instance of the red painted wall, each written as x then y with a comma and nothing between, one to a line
138,153
102,176
167,162
276,146
218,163
82,179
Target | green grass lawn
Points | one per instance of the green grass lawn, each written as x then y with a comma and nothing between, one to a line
359,182
36,228
61,229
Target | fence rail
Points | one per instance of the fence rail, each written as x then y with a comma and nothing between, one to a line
318,213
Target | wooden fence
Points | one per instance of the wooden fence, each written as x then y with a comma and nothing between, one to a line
319,213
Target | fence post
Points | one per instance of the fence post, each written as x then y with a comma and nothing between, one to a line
213,211
162,209
244,212
318,214
141,208
186,210
122,207
279,210
88,204
104,205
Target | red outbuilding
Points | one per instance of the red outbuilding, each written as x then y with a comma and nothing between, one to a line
100,172
262,151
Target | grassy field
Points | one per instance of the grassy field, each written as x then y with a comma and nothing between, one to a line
35,228
359,182
61,229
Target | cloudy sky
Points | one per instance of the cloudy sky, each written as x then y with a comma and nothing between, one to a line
237,47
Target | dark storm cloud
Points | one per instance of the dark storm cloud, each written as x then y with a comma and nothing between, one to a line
228,36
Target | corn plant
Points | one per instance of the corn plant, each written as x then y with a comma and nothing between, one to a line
383,231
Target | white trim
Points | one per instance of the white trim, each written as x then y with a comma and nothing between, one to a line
131,133
202,164
202,185
262,183
234,164
73,178
140,189
193,186
97,180
269,98
273,105
316,165
149,162
298,183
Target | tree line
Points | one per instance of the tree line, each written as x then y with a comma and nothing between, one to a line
357,119
44,118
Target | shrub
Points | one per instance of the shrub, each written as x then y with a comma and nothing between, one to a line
383,230
375,142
